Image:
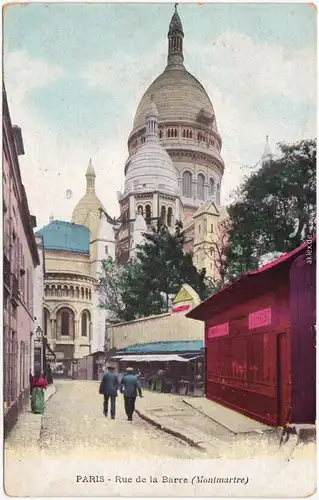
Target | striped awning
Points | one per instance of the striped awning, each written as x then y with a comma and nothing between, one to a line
150,357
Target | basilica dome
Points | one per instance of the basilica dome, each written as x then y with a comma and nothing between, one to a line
151,166
178,96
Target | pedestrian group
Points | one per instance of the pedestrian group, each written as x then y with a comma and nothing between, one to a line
128,385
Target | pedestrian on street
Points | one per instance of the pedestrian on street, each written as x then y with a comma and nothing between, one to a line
130,387
39,384
109,387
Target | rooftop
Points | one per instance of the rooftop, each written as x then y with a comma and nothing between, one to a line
66,237
183,346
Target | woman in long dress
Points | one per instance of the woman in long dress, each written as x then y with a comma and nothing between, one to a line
39,384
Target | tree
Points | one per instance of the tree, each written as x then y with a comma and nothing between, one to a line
146,285
275,209
111,284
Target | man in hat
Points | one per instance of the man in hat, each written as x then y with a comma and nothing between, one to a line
130,387
109,387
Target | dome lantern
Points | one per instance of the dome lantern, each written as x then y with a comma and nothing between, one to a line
90,178
175,41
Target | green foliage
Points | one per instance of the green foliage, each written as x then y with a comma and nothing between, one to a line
275,209
146,285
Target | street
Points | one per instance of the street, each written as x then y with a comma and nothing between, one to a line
74,422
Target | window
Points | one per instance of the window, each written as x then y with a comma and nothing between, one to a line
71,292
169,216
211,186
84,325
106,249
163,214
53,291
187,184
77,292
65,291
160,134
46,316
82,293
148,214
168,133
140,210
65,322
201,187
59,291
184,133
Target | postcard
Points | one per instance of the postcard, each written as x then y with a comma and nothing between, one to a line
159,249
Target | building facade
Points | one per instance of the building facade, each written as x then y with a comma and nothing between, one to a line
72,319
186,129
20,258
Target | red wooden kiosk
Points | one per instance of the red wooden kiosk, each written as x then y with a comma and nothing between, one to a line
260,336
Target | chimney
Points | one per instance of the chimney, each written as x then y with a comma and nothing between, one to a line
17,134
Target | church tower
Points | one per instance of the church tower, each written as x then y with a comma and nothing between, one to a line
151,187
91,213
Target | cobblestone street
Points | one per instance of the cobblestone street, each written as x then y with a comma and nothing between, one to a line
74,424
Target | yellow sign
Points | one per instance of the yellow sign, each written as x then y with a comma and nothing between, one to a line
182,296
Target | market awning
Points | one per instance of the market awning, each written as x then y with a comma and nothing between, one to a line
151,357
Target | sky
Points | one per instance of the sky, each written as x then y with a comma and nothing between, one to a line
75,73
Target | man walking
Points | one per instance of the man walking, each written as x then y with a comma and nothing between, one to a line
108,387
130,387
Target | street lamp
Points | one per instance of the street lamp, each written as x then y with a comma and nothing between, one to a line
38,333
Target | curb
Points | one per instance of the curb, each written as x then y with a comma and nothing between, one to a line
169,431
205,414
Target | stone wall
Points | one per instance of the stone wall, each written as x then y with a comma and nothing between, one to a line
165,327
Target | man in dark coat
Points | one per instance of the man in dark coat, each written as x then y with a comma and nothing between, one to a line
130,387
108,387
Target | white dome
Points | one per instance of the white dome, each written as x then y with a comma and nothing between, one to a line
151,168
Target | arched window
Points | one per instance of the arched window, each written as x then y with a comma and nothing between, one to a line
59,291
77,292
175,132
187,184
82,293
84,325
90,294
65,322
160,134
201,187
86,293
148,214
53,292
190,134
46,290
211,186
65,292
71,292
169,216
184,133
140,210
168,133
163,214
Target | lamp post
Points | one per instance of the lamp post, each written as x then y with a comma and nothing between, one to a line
42,338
